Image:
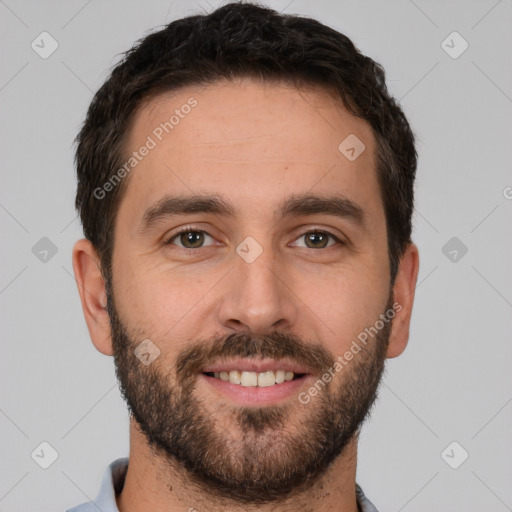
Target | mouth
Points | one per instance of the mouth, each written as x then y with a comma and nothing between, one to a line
255,379
251,382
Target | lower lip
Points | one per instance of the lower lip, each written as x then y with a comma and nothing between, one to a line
255,395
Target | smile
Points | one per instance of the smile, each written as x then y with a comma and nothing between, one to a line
257,382
254,379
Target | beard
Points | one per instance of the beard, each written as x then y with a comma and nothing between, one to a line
247,455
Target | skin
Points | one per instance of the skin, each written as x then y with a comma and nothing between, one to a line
254,145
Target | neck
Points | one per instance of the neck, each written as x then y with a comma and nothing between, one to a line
156,484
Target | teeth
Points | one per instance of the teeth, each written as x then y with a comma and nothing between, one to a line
249,379
234,377
253,379
266,379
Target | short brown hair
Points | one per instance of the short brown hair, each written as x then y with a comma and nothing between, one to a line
234,41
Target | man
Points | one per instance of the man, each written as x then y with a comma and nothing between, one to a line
245,183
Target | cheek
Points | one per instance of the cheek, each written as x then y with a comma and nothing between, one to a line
160,303
342,306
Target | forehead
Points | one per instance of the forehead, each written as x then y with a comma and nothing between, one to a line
250,141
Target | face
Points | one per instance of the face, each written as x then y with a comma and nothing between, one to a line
252,253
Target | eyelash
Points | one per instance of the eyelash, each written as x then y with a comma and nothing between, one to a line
188,229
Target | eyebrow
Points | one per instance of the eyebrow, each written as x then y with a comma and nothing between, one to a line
170,206
337,206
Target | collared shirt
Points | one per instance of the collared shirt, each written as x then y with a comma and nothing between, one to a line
113,481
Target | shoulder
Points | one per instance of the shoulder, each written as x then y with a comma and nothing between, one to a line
111,484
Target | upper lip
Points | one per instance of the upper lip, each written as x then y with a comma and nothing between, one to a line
256,365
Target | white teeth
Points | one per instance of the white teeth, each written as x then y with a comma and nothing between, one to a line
280,376
234,377
249,379
253,379
266,379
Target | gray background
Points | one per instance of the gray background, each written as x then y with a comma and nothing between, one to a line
453,381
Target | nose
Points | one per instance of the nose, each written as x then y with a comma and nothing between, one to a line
256,299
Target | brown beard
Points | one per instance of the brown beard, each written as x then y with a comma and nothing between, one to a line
269,453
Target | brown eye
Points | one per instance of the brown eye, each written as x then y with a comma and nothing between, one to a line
316,240
191,239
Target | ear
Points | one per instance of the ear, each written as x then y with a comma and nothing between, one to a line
404,287
91,287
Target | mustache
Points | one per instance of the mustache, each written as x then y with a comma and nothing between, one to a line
276,345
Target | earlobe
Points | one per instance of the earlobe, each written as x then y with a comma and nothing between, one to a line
404,287
91,287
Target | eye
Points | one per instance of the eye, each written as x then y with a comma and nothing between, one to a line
190,239
317,240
